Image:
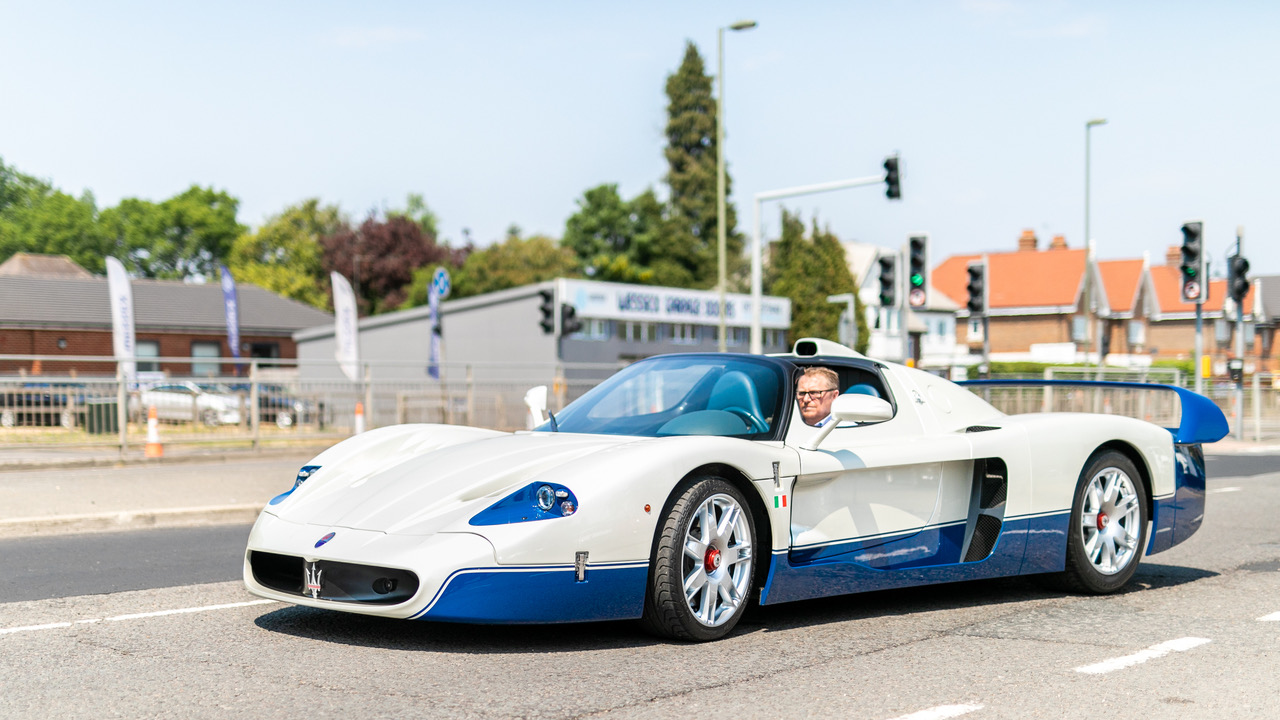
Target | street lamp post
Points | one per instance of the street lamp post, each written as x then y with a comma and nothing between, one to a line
720,183
1088,240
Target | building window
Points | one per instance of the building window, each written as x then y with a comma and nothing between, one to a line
595,329
739,336
1079,328
1137,332
684,334
148,349
205,350
635,331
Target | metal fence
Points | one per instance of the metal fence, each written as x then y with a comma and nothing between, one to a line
265,401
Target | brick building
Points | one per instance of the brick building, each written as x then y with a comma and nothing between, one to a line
49,309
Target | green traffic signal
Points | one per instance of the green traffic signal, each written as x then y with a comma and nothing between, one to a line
917,280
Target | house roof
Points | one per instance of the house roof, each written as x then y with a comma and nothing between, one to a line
1023,279
37,265
1120,280
158,305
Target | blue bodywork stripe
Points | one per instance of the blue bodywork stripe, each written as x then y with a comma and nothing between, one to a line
546,594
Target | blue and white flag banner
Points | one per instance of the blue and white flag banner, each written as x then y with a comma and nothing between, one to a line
123,342
346,330
232,311
433,362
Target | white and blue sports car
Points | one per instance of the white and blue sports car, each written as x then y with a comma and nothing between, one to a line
686,487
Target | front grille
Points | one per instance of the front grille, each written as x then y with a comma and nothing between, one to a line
337,581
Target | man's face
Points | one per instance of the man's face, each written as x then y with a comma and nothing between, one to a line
814,395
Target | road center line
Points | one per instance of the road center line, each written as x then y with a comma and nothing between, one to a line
940,712
1151,653
1275,617
133,616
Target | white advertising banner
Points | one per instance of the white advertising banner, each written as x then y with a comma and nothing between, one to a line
345,332
616,301
123,342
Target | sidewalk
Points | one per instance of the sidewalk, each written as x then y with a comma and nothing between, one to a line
68,490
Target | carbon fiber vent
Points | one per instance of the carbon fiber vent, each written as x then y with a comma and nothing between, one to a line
980,428
985,534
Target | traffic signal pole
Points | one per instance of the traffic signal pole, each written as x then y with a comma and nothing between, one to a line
1239,394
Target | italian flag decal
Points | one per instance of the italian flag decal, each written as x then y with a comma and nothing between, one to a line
779,501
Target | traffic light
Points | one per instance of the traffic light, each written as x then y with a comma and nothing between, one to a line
917,270
977,288
892,190
569,322
1191,271
548,309
1237,278
888,283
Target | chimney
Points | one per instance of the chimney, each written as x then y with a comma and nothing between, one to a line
1027,241
1173,257
1059,242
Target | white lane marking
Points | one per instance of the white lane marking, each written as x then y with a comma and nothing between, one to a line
179,611
1273,617
1222,490
29,628
940,712
134,616
1151,653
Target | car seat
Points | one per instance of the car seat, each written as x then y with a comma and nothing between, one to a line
734,392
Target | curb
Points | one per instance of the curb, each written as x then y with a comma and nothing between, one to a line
24,465
130,520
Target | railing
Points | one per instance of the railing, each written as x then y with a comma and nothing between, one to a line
265,401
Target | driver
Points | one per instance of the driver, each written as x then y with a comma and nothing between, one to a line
815,391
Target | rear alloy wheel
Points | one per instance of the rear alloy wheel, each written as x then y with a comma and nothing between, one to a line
701,577
1108,529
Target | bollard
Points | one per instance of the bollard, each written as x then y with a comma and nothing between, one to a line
359,418
153,449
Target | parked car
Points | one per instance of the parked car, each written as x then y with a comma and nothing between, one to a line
41,403
209,403
687,487
278,404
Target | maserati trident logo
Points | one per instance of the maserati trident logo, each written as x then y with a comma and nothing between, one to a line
312,579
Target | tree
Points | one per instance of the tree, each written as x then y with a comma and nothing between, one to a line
183,237
807,270
690,247
514,262
37,218
285,255
388,253
416,210
614,239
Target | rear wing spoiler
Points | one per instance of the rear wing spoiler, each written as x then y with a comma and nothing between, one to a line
1201,420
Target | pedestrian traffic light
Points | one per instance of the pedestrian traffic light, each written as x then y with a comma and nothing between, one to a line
917,270
1191,271
977,288
1237,278
892,190
888,281
569,322
548,309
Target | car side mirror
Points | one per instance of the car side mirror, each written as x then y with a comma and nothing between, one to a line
852,407
536,400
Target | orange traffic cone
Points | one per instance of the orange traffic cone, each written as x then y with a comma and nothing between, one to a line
153,449
359,418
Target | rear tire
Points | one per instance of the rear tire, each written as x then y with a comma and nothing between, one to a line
702,573
1108,530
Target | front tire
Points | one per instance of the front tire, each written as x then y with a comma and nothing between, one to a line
1108,529
702,572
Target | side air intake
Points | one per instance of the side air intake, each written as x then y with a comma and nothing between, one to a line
986,508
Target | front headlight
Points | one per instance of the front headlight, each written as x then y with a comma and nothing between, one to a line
536,501
304,472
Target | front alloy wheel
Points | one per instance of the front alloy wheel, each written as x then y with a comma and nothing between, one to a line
702,573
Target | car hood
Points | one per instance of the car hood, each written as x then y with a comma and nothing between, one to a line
435,488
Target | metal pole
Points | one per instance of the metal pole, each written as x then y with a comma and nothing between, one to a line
757,261
1197,370
720,224
900,298
1240,344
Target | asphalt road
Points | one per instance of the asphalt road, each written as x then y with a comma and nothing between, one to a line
1196,635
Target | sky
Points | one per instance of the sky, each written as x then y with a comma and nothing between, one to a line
504,113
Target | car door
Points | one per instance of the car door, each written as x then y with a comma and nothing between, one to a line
888,494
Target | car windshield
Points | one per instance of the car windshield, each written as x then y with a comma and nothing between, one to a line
215,388
731,396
